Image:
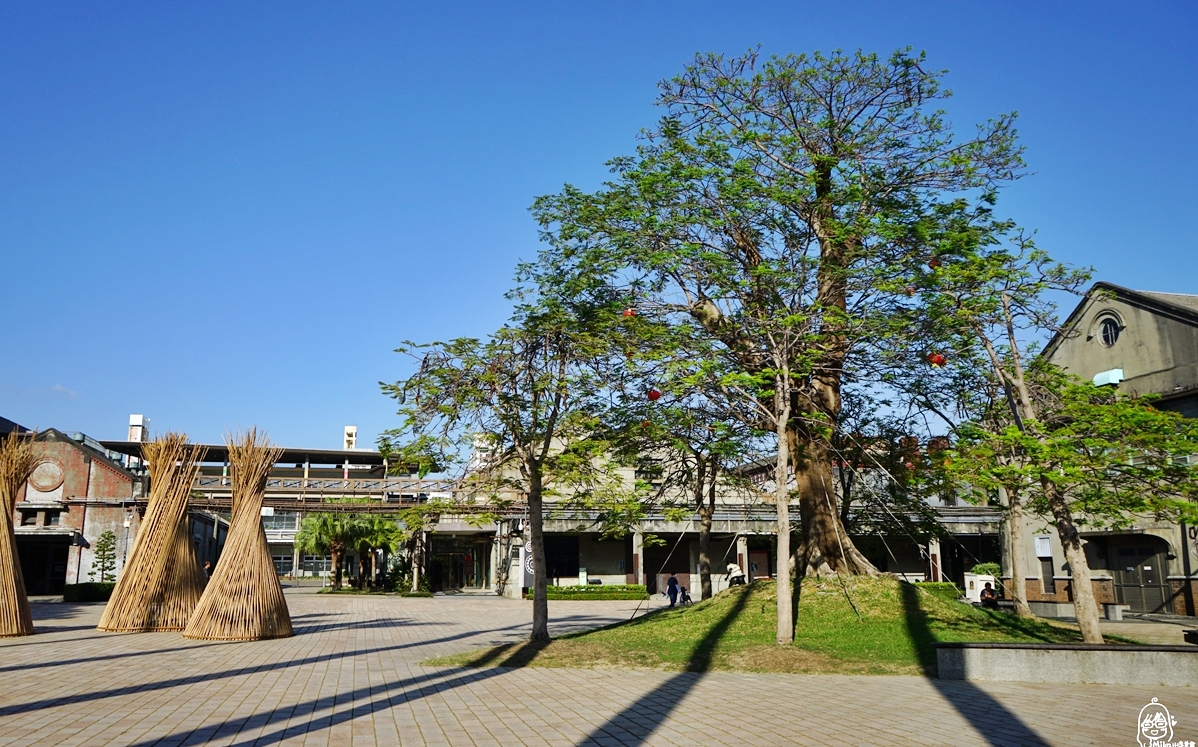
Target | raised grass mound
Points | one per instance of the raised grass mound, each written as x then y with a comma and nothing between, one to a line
852,625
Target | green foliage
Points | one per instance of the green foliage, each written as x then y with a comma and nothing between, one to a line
423,593
988,569
1112,457
598,591
104,558
94,591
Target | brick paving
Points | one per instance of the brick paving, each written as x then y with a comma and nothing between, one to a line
352,676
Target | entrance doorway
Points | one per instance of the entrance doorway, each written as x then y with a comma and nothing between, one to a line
1138,565
457,563
43,563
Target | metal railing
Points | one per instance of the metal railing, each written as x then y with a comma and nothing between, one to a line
336,486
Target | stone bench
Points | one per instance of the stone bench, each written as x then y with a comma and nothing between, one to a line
1068,662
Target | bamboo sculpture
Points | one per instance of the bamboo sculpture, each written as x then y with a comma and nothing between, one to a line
17,462
162,580
243,600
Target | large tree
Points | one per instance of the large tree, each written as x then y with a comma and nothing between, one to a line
780,207
514,411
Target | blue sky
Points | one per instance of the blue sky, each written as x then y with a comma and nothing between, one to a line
221,215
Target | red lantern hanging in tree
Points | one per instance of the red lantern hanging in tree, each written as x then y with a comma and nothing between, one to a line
629,312
645,424
910,290
937,360
908,465
654,395
933,263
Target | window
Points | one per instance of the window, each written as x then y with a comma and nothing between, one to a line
53,518
1047,583
29,518
1108,331
283,564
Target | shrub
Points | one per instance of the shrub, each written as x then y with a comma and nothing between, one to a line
988,569
597,592
943,589
416,594
92,591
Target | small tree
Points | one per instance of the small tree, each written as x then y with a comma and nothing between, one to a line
328,533
104,558
514,411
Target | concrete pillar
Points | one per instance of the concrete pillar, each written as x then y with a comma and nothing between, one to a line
935,560
638,556
742,553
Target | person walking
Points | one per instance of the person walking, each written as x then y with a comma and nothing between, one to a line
672,589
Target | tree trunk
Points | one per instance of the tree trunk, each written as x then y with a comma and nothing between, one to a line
1017,553
417,561
826,548
786,630
336,555
705,513
540,602
1084,606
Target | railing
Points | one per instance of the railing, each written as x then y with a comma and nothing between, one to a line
335,486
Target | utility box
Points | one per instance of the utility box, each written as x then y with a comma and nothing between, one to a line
975,582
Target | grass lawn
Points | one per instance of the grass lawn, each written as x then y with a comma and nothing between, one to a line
735,631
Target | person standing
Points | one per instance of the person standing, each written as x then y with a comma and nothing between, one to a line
672,589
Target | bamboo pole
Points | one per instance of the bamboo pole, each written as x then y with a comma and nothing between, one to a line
162,581
17,462
243,600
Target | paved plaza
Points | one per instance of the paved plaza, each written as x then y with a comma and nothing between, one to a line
352,675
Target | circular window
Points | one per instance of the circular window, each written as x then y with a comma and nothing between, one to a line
1108,331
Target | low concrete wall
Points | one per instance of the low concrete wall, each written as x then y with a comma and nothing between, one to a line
1029,662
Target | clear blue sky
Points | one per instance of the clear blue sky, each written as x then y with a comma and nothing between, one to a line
230,214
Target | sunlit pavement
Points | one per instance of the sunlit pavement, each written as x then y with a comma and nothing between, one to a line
352,675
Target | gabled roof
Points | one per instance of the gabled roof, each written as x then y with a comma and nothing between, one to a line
50,434
1179,307
7,426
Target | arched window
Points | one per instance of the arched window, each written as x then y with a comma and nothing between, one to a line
1108,331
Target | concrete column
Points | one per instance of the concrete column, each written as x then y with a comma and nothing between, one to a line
936,560
638,556
742,553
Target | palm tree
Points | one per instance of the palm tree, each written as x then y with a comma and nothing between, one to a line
377,533
329,534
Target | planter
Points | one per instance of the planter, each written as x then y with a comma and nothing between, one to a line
1174,666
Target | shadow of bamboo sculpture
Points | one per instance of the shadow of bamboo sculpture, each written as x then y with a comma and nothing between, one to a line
17,462
162,580
243,600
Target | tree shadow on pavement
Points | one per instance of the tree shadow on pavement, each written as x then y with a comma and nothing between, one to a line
636,723
998,725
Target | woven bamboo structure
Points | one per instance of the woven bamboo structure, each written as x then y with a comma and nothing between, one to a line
17,462
162,580
243,600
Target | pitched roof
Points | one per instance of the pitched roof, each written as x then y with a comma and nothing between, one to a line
1178,306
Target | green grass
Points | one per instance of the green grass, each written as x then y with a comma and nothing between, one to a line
735,631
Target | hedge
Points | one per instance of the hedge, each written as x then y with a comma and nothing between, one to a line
92,591
597,592
416,594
